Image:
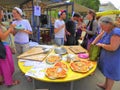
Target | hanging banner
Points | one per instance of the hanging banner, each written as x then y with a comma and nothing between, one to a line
37,10
109,12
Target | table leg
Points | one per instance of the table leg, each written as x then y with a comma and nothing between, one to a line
71,85
33,84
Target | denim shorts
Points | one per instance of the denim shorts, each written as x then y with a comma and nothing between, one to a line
59,41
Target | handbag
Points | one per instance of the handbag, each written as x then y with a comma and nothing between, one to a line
94,52
2,51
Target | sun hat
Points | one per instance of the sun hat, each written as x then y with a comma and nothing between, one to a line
19,10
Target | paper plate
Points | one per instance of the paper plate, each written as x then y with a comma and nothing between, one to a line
83,55
19,28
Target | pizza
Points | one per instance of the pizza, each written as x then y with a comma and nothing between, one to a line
62,65
52,59
56,72
81,66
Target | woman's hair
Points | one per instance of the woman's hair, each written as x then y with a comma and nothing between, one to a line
106,20
92,12
90,23
98,17
1,9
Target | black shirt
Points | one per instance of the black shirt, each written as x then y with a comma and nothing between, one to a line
71,27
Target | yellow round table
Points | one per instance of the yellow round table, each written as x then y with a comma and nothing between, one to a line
71,75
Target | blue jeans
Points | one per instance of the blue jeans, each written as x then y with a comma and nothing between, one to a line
59,41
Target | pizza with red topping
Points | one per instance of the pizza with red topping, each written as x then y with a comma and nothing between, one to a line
81,66
56,72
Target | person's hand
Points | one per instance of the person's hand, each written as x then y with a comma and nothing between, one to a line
65,39
84,25
13,25
81,38
63,26
68,33
10,29
82,28
100,44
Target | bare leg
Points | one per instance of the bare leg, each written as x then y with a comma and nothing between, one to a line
102,85
15,82
109,84
1,79
28,78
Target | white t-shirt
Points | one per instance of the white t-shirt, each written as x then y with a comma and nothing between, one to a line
22,37
61,33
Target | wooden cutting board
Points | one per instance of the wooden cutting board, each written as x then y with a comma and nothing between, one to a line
37,57
68,50
32,51
77,49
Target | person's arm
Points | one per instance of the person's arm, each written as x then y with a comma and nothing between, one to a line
66,31
58,29
29,28
78,25
114,43
4,35
94,29
65,38
27,31
98,38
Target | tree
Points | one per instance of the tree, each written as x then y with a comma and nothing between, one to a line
92,4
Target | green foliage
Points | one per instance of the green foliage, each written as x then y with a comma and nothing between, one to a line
92,4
